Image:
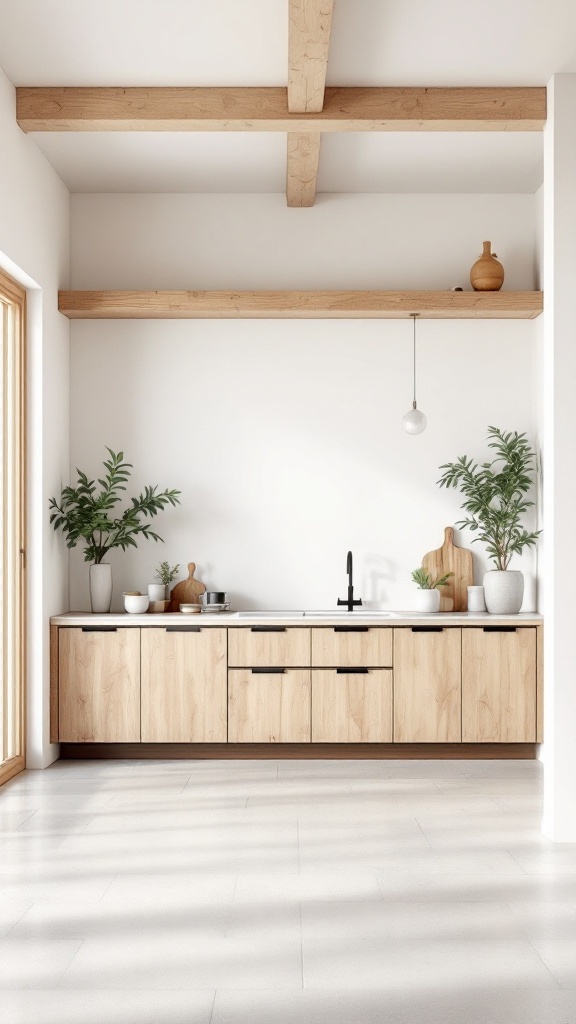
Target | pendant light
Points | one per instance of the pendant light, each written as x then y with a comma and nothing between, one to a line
414,422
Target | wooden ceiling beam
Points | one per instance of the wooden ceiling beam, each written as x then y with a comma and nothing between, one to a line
308,41
306,305
266,109
310,22
302,168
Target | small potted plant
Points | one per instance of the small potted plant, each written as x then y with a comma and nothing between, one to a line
428,593
166,574
84,513
495,500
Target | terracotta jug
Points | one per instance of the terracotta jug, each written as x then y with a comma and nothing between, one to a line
487,274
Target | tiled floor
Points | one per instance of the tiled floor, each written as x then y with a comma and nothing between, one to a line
290,892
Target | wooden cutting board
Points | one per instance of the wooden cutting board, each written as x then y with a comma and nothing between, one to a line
187,591
450,558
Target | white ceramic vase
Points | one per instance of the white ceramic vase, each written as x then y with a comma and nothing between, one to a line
503,591
156,592
101,588
428,601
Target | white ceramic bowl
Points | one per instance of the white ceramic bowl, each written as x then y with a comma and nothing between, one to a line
190,609
136,604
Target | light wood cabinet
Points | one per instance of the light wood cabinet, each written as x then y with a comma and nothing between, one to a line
99,685
269,707
351,706
348,682
427,685
351,646
269,646
184,685
499,685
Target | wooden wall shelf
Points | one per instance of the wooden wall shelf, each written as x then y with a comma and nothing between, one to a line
303,305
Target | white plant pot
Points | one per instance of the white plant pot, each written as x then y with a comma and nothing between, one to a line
428,601
156,592
503,591
100,588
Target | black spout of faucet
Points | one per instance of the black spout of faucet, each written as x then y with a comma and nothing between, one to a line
350,602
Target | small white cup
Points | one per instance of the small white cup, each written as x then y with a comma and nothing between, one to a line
136,604
476,602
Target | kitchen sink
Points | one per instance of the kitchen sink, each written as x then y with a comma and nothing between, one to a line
283,614
358,613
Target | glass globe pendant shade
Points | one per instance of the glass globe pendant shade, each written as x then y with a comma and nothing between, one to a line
414,422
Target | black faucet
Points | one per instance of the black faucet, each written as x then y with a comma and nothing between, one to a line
350,599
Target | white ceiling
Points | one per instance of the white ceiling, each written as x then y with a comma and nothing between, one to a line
256,161
244,42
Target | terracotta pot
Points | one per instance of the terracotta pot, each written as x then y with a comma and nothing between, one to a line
487,274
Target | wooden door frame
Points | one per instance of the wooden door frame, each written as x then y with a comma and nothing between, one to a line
16,293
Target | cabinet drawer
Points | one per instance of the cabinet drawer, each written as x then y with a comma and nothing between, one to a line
184,681
499,685
352,707
269,646
351,646
269,707
99,685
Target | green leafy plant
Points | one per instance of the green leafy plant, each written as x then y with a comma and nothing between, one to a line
165,574
495,494
424,581
84,513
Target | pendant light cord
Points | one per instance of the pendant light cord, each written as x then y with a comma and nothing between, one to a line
414,315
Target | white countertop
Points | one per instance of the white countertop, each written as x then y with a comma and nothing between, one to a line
401,618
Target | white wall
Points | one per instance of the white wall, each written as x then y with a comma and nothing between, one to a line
559,819
284,436
35,249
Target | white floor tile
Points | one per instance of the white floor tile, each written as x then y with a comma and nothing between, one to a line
302,888
240,947
34,964
409,1006
96,1006
351,946
12,910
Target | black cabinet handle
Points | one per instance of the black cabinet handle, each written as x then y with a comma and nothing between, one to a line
99,629
267,629
352,671
351,629
499,629
427,629
267,671
183,629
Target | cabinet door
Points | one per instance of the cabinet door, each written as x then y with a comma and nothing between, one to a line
184,679
351,707
499,685
269,646
269,707
99,685
351,646
427,685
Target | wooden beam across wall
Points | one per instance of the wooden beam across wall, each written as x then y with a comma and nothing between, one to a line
345,305
310,22
266,109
